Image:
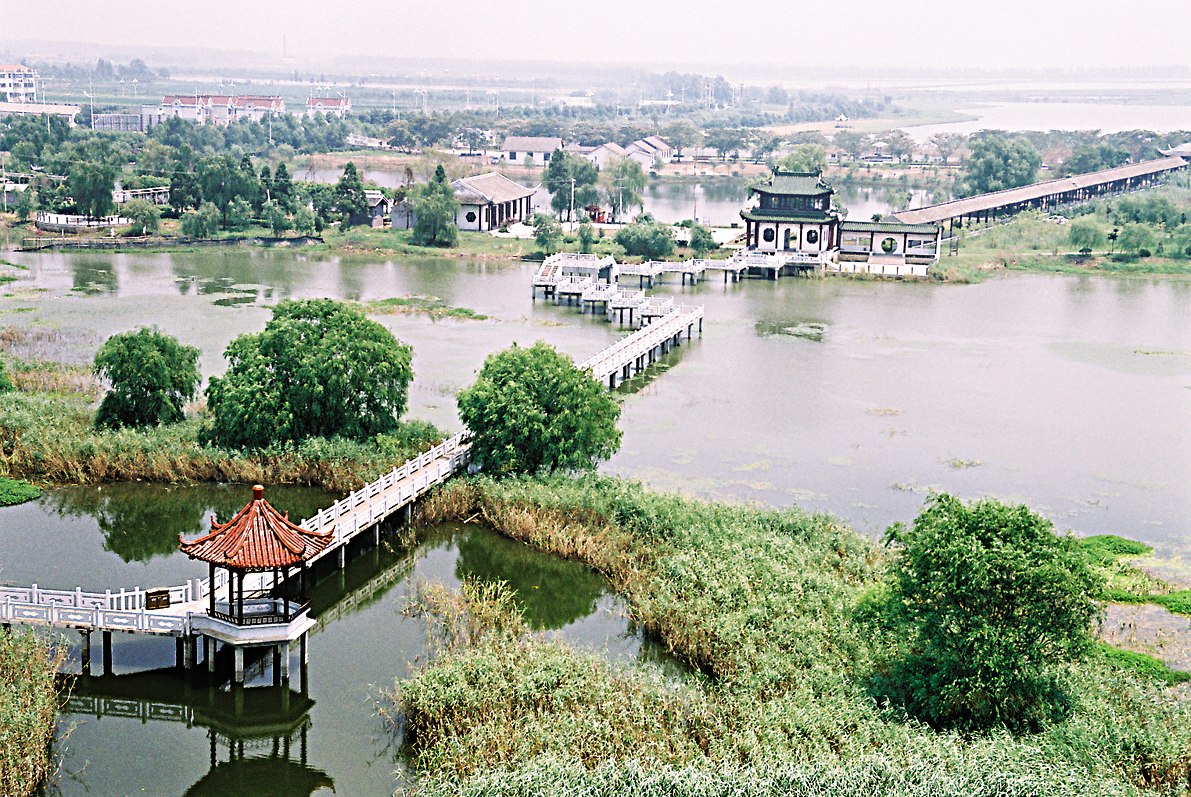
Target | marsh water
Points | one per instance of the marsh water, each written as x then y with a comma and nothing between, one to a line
1069,393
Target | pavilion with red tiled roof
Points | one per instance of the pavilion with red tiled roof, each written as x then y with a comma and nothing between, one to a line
259,539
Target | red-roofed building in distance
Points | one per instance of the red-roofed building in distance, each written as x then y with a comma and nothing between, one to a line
327,106
18,82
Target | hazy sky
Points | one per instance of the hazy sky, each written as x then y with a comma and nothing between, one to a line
941,33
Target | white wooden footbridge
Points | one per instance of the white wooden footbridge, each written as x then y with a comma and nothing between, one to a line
180,611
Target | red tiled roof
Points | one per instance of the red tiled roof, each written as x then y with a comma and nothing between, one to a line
327,102
257,538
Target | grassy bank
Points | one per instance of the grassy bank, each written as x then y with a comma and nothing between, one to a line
28,705
51,439
760,603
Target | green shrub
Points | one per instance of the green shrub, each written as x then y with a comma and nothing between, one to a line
986,599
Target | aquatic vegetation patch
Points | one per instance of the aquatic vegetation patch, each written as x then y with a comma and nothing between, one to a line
28,709
762,605
14,491
432,306
51,439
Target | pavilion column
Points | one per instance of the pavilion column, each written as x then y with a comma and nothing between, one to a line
211,586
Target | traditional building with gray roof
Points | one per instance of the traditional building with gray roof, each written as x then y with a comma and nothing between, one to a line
486,201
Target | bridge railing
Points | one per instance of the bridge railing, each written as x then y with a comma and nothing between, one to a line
153,622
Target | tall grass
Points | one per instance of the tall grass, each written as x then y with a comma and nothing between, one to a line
47,438
28,705
761,603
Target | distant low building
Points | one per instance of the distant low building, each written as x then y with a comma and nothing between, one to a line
328,106
218,109
604,154
18,82
517,148
379,206
64,109
650,152
486,201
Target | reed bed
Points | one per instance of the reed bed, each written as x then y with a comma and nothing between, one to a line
28,706
51,439
763,604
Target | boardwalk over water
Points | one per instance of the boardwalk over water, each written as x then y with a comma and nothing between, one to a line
128,609
172,611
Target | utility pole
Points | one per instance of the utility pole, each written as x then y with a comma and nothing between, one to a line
571,215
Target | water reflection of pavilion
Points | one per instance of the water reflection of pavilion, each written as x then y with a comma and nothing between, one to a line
258,736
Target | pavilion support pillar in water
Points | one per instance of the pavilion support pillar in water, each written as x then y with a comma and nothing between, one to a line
238,653
210,653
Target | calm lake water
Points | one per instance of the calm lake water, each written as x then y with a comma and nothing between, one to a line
1070,394
1107,117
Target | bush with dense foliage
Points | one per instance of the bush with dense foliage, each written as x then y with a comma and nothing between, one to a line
319,369
531,410
647,239
151,374
985,601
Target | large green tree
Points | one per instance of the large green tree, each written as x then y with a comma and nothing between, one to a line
622,181
571,181
436,208
349,196
532,411
648,239
319,369
997,163
986,599
151,374
91,186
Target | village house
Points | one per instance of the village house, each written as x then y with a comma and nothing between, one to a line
216,108
604,154
486,201
328,106
517,149
650,152
379,206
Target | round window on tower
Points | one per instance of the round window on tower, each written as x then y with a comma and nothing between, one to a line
768,235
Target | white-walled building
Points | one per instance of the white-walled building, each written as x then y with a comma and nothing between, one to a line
604,154
19,82
488,200
216,108
517,148
328,106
